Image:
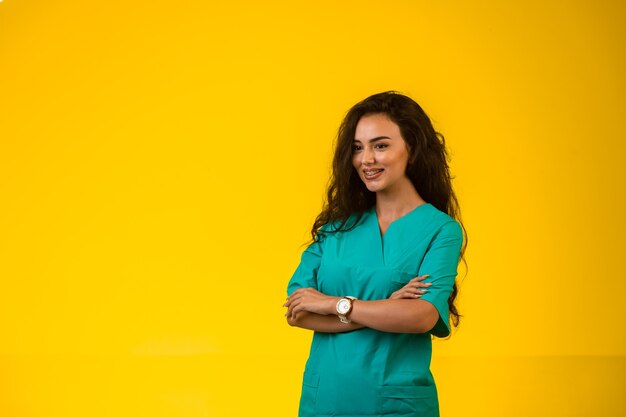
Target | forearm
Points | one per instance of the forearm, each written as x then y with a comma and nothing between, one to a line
395,316
322,323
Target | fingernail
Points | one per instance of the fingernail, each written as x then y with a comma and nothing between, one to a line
429,283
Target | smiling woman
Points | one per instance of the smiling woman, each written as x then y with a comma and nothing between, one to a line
378,280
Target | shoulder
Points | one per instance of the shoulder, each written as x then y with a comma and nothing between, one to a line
446,225
340,227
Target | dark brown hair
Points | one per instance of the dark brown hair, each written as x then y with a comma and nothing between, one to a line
347,196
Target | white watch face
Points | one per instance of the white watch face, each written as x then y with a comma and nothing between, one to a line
343,306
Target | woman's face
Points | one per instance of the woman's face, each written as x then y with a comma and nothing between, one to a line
380,154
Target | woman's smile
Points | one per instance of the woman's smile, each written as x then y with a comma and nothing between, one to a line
372,174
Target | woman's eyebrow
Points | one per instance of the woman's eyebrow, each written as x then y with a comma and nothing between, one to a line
373,139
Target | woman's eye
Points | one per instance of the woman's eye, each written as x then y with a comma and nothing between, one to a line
381,145
356,148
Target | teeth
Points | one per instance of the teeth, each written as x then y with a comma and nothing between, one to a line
372,172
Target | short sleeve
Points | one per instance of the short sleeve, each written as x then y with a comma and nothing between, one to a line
440,262
305,274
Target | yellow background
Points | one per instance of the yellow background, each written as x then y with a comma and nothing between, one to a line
161,164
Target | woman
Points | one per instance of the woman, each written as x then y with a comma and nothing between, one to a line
379,277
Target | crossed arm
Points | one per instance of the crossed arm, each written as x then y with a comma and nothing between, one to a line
403,312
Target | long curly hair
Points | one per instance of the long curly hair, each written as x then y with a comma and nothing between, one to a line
347,197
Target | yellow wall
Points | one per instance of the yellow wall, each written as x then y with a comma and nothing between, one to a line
161,164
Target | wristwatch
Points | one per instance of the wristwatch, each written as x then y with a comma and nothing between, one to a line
344,307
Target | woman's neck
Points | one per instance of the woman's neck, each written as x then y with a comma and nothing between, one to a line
391,205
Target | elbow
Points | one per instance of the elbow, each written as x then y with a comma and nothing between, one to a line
422,328
293,322
299,320
426,322
415,325
418,328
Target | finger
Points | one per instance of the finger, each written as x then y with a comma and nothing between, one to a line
422,285
297,295
291,307
415,292
397,295
296,310
411,294
420,278
410,287
418,289
404,295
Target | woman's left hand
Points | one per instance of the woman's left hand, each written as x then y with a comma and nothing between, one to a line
311,300
415,288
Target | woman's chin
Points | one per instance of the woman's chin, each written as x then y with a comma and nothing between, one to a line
373,187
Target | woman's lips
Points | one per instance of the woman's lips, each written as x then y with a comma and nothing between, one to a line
372,174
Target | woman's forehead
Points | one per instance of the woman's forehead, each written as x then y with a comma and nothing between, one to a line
376,126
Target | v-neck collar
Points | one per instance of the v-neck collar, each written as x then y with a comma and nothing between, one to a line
382,239
399,219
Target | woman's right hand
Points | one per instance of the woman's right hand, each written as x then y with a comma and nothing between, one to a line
413,289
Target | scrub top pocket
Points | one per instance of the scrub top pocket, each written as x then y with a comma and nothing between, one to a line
409,400
345,394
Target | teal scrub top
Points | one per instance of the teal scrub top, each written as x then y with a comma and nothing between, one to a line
368,372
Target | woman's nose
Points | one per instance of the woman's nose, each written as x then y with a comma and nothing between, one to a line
368,156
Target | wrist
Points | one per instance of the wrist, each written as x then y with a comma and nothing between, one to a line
332,306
